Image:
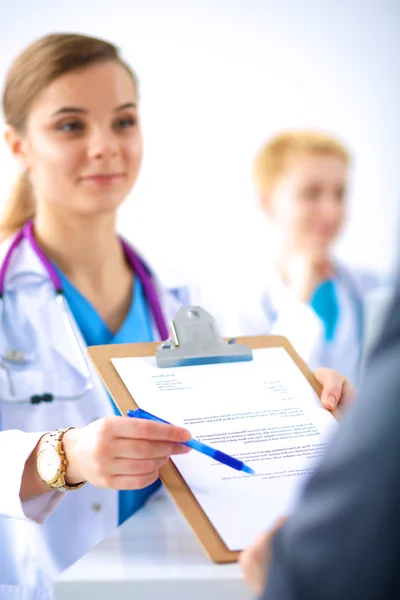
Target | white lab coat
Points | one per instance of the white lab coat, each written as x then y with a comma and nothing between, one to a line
250,308
44,535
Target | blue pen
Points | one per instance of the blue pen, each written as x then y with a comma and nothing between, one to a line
221,457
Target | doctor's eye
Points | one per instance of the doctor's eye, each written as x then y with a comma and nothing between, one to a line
340,194
70,126
311,193
125,122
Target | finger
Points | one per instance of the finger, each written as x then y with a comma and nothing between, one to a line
127,466
278,524
327,271
180,449
135,428
127,448
349,394
332,387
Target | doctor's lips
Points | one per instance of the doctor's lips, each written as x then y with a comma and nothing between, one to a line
103,178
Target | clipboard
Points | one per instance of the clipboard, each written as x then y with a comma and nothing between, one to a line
101,357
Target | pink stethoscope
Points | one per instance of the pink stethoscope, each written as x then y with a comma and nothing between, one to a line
10,358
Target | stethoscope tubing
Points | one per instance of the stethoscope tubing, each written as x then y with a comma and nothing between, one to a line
27,232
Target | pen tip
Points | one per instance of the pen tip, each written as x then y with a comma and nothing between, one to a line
249,470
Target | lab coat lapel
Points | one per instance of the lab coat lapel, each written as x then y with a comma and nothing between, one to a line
60,339
42,310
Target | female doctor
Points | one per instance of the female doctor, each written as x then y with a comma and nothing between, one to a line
308,295
66,281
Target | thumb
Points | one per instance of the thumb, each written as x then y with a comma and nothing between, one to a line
332,387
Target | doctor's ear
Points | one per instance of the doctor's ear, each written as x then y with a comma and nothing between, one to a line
16,143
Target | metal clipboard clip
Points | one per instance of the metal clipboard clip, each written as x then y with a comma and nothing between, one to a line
196,341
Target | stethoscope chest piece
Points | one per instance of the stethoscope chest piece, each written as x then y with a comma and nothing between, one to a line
16,357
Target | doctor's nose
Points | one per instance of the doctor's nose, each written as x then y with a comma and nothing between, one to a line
103,144
331,206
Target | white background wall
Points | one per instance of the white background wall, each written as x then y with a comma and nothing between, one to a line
218,77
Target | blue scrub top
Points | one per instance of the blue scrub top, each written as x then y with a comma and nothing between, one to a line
135,328
325,304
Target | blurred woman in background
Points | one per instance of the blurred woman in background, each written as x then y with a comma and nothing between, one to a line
304,293
311,297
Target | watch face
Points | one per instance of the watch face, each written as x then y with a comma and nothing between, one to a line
48,464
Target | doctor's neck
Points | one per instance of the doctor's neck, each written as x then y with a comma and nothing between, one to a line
81,246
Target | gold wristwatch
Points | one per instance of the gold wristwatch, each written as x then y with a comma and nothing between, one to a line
51,461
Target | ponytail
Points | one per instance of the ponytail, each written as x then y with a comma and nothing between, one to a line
19,208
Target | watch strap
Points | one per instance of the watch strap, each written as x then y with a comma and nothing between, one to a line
54,439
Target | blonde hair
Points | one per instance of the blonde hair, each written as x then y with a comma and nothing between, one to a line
274,157
32,71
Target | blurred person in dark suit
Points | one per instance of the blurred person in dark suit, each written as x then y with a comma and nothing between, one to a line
343,541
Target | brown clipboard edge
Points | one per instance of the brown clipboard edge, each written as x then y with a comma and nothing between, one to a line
170,476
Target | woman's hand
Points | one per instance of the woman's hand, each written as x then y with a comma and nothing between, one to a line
337,391
121,453
304,273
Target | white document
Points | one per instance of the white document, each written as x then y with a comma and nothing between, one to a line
263,412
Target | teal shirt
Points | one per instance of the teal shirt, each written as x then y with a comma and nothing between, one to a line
325,304
135,328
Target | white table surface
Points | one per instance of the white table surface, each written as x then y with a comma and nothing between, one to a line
153,555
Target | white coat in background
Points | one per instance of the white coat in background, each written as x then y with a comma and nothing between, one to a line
249,309
44,535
